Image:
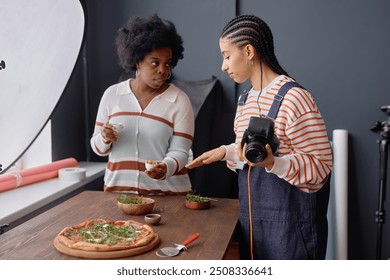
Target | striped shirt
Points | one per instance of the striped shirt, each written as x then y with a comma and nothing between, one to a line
163,131
304,154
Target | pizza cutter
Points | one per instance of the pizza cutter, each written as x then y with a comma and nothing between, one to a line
173,251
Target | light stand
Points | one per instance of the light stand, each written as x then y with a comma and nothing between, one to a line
384,129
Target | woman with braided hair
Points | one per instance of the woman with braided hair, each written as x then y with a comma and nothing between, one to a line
283,194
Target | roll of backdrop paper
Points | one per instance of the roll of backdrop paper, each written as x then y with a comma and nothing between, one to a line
20,178
71,174
340,194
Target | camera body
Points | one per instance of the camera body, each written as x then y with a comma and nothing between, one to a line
259,133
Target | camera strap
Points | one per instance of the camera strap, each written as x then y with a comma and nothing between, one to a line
273,111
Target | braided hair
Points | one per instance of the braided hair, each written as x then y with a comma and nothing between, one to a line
249,29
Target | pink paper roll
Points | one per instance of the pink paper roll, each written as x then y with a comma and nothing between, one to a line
16,179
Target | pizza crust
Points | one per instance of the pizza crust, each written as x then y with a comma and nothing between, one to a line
69,236
106,254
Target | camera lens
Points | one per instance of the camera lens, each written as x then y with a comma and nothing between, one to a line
255,152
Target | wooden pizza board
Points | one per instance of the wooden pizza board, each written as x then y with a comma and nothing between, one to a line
107,254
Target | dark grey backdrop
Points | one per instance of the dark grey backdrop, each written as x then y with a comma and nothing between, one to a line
339,50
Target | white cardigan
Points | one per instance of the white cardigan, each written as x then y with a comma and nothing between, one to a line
163,131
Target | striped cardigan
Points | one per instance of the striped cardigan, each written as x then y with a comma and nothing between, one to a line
163,131
304,155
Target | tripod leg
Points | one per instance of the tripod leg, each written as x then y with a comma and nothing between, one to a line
380,214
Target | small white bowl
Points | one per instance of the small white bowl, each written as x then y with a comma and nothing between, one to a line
150,165
118,127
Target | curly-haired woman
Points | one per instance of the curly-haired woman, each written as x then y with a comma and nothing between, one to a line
146,118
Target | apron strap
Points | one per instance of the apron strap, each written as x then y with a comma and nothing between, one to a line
273,111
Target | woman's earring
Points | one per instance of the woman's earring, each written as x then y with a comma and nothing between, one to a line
137,72
169,76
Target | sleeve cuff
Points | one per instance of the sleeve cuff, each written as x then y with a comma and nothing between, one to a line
171,167
231,157
280,167
102,145
231,154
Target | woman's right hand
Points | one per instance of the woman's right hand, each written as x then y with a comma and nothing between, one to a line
208,157
109,133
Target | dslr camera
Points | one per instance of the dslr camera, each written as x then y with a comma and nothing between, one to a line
259,133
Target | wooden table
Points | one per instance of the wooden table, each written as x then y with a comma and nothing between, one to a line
216,225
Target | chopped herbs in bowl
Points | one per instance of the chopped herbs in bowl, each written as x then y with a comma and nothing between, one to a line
131,199
135,205
197,202
197,198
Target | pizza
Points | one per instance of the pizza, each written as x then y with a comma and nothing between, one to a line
101,235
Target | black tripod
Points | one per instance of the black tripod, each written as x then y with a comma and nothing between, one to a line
384,129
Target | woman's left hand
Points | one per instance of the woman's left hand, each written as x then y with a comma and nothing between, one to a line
158,171
268,162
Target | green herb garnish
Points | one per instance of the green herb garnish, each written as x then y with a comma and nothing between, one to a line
197,198
103,233
130,200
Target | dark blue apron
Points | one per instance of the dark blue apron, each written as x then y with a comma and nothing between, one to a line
287,222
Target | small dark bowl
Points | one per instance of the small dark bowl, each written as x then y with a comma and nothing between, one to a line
152,219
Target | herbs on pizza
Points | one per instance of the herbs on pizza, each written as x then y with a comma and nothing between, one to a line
105,233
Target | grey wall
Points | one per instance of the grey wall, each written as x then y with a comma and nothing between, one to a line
337,49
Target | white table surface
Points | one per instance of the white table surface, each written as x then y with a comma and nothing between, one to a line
17,203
